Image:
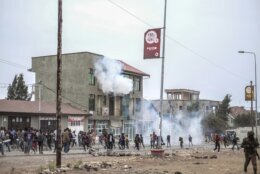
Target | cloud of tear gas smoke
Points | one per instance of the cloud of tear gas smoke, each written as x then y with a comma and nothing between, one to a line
109,75
182,125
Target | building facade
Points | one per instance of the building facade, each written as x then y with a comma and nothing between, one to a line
80,88
20,114
183,100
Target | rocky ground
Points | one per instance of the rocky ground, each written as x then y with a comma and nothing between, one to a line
180,161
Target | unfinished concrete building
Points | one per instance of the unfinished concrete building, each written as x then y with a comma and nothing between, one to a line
81,89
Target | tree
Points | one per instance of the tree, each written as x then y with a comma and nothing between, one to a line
224,109
194,107
18,90
218,122
244,120
211,123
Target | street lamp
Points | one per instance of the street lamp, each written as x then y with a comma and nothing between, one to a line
248,52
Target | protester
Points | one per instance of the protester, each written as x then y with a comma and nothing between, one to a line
234,141
141,141
217,145
181,142
168,140
74,137
137,141
40,139
66,140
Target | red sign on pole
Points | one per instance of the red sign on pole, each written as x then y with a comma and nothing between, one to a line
152,40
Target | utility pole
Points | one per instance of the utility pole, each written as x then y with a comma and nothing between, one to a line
251,87
58,93
162,76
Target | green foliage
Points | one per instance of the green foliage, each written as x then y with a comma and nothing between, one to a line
18,90
40,169
77,164
194,107
52,166
213,124
224,109
244,120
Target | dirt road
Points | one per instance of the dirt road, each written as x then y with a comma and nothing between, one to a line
185,161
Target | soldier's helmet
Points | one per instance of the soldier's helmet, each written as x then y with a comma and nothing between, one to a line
250,134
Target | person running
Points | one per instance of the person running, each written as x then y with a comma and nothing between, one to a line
127,142
66,140
74,137
141,141
234,141
217,145
137,141
49,139
40,139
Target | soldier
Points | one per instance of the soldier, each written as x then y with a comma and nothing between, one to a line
250,144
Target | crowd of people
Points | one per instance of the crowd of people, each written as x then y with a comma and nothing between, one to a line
30,139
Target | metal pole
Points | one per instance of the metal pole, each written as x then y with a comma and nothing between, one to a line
256,116
256,113
58,93
251,111
39,85
162,75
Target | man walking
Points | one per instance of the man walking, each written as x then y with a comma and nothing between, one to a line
168,139
217,140
190,141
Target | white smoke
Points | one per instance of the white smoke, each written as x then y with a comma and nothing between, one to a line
109,75
180,125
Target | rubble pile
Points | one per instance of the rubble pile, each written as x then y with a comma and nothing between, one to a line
89,167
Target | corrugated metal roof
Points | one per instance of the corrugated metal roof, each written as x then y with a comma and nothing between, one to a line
129,68
21,106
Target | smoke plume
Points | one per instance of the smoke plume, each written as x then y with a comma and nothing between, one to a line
180,125
109,75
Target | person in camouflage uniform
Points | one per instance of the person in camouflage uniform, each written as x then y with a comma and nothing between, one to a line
250,144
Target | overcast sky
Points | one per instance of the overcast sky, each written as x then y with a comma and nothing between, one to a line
203,37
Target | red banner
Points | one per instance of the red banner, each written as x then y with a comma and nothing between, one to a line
152,40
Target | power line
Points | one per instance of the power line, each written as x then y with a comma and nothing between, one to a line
178,42
52,90
13,64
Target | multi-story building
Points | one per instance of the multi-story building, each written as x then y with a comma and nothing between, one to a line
181,100
81,89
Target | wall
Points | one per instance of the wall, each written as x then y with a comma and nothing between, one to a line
35,122
3,121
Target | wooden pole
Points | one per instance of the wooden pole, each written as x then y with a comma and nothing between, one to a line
58,93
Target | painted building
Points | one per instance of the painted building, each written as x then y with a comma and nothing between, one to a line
20,114
80,88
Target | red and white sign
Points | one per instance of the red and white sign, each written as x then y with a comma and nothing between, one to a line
73,119
152,40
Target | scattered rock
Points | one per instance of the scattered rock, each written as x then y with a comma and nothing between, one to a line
127,167
213,157
166,154
177,173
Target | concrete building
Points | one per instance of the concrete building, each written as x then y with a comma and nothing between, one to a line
20,114
80,89
182,100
